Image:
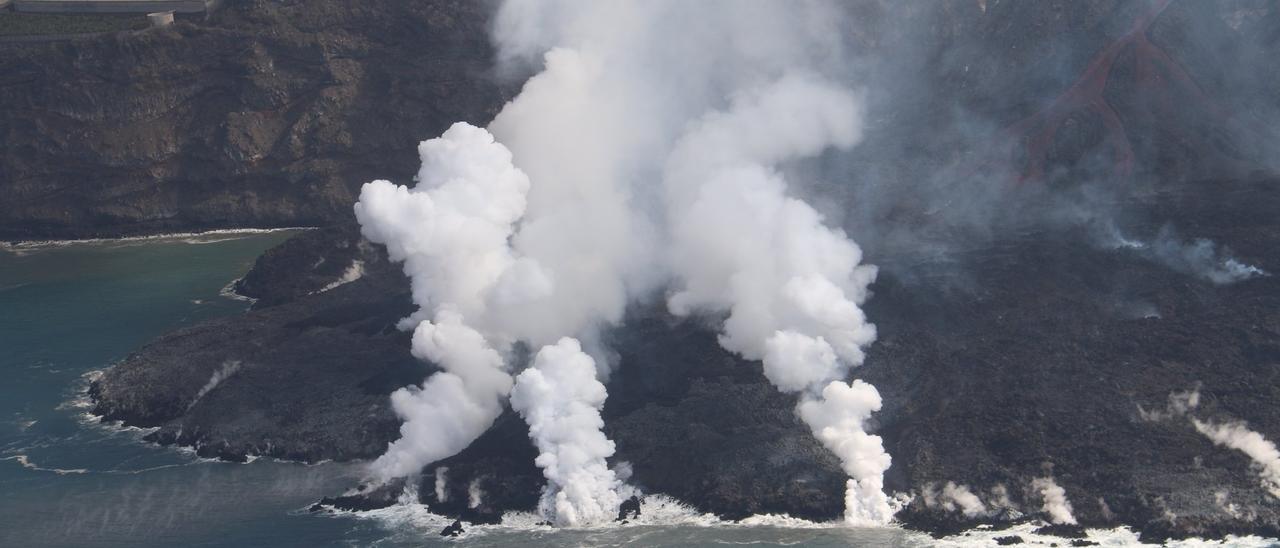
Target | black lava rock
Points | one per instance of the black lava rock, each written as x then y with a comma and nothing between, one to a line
453,529
629,509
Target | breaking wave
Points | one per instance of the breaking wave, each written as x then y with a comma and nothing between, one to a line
660,512
201,237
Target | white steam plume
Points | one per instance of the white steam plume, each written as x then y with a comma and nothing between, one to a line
1235,435
222,373
954,498
790,285
560,398
1056,504
453,407
1000,501
959,497
475,495
837,418
442,484
1239,437
451,232
653,139
632,93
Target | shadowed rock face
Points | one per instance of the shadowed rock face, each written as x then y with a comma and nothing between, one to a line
273,113
268,114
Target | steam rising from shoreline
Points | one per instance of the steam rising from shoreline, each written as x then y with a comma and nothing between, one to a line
1056,504
791,286
451,232
560,398
652,148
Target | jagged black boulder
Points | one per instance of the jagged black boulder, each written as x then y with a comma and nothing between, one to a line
453,529
629,509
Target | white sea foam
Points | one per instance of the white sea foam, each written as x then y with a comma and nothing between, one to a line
417,520
185,237
79,397
229,292
784,521
1119,536
26,462
80,401
655,511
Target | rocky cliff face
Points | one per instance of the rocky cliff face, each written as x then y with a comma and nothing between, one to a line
274,113
268,114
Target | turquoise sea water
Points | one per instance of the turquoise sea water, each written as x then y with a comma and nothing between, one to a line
66,480
66,311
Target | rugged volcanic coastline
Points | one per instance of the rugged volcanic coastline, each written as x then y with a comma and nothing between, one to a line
1049,367
1038,350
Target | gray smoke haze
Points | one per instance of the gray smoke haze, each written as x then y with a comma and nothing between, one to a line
1199,257
941,169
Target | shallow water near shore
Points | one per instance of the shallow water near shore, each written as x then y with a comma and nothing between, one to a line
71,308
68,310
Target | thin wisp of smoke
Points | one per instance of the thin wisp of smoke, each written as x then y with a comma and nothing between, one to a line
1199,257
1260,450
1056,505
